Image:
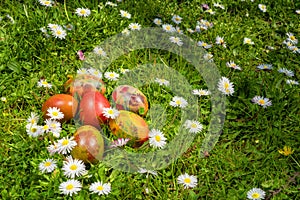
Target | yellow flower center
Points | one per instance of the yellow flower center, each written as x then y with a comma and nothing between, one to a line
204,44
111,75
65,142
255,195
46,2
58,32
100,188
82,12
33,130
73,167
47,164
194,125
261,101
168,28
226,86
110,112
45,127
55,113
44,82
187,180
178,102
292,37
157,138
70,187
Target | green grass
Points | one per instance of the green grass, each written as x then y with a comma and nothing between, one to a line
246,154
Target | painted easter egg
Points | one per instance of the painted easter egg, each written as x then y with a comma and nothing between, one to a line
129,98
84,83
66,104
91,109
130,125
90,144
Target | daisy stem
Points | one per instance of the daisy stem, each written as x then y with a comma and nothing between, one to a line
295,161
65,6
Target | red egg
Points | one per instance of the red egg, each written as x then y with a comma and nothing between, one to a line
91,107
66,103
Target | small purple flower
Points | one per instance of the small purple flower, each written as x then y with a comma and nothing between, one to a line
205,6
80,55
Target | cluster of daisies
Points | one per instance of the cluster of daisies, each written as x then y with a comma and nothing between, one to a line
56,30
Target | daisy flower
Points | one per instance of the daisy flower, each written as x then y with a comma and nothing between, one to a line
168,28
99,51
265,67
54,113
178,102
53,148
73,168
262,7
33,119
288,43
292,38
53,126
298,12
208,57
82,71
53,26
220,41
225,86
219,6
59,33
157,21
47,165
162,82
65,145
210,11
248,41
100,188
287,72
178,30
157,139
176,19
205,23
146,171
125,14
95,72
264,102
44,83
286,151
110,113
111,4
189,181
112,76
292,82
231,64
256,193
193,126
70,187
201,92
126,31
134,26
69,27
190,30
3,99
294,49
176,40
34,130
119,142
204,45
46,3
124,71
83,12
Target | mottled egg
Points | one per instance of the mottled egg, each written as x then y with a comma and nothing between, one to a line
130,125
126,97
